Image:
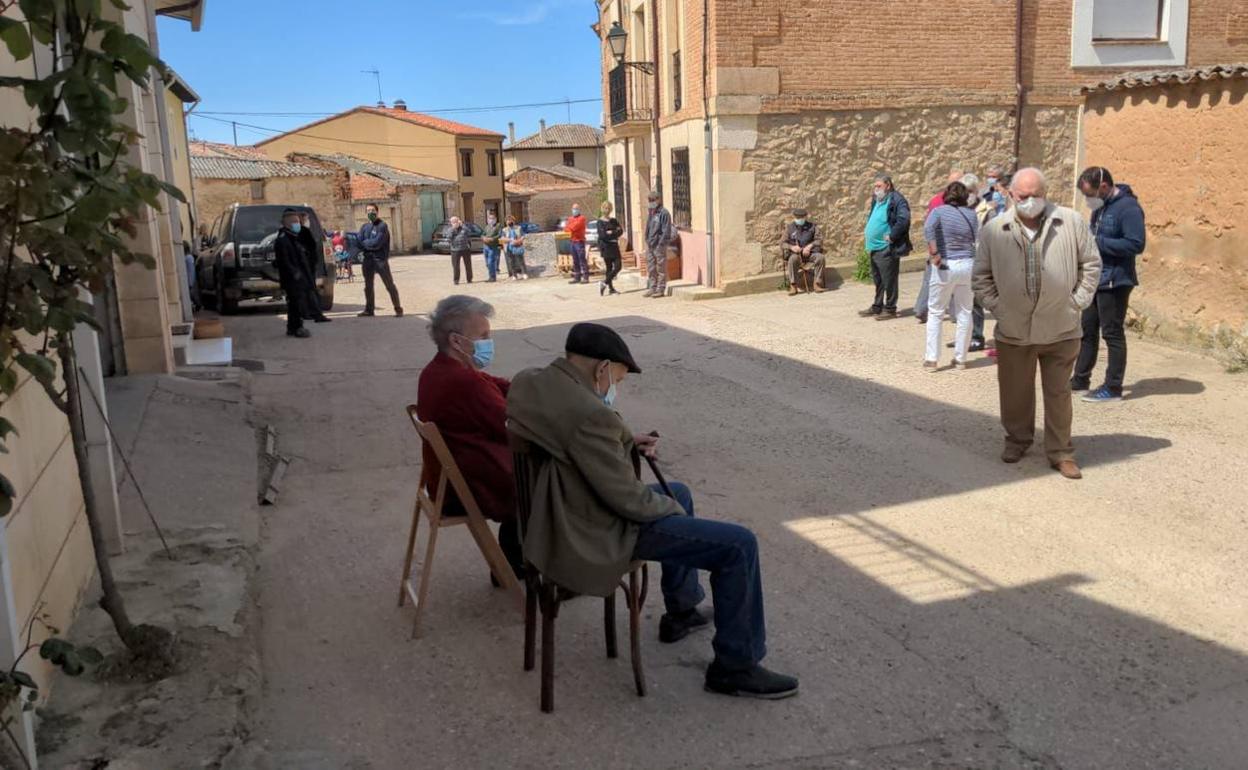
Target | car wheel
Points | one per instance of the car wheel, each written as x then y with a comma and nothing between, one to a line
327,292
225,305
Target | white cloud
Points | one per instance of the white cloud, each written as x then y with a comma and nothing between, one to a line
536,12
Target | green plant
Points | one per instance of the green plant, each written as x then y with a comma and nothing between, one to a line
17,686
68,201
862,267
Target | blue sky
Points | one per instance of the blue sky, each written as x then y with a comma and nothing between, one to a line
307,57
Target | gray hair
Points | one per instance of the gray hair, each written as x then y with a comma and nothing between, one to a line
452,314
971,182
884,177
1030,171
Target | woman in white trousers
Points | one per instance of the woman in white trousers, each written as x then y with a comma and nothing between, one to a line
950,230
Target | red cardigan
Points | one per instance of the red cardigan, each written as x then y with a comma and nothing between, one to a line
470,409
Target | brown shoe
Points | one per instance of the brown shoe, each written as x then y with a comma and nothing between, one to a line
819,289
792,291
1013,453
887,315
1068,468
869,312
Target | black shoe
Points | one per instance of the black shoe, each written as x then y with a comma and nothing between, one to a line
301,333
574,280
398,312
602,288
1078,386
871,311
754,682
974,347
364,314
322,319
673,628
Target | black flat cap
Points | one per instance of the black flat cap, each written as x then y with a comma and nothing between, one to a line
799,213
600,342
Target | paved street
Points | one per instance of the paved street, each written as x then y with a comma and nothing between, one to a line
941,608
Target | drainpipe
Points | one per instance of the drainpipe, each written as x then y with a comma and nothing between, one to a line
710,154
654,122
1019,94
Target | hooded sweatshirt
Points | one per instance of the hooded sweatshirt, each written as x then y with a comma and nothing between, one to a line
1120,234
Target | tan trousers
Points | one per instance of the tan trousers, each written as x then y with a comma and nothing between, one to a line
1016,379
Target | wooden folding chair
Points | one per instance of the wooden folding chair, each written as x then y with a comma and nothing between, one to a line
542,592
432,508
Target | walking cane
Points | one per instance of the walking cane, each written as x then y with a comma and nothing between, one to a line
654,468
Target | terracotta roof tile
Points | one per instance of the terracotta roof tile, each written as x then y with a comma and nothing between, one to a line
1147,78
560,135
420,119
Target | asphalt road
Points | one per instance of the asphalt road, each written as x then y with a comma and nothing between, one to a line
941,608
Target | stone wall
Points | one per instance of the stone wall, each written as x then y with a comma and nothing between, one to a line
547,208
213,196
826,161
1184,151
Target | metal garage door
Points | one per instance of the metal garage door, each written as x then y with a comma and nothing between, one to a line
432,214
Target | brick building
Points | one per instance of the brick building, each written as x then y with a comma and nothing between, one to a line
743,109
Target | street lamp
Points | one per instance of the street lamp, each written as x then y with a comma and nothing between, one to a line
617,38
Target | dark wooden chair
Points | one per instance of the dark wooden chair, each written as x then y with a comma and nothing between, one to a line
432,508
544,594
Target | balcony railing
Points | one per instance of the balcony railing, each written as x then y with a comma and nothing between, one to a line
630,95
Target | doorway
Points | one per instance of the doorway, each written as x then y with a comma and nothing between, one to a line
468,212
432,214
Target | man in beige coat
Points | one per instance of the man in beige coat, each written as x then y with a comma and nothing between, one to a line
1036,269
591,516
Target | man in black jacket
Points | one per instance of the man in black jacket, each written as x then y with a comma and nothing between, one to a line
1118,224
293,260
375,243
801,244
887,238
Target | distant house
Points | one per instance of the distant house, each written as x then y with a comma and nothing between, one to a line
222,180
413,142
563,144
553,191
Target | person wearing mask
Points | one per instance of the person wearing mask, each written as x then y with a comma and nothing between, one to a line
513,237
470,409
950,232
592,516
375,243
1036,269
312,303
575,226
461,249
659,236
491,240
609,232
920,302
1118,225
802,245
291,257
887,237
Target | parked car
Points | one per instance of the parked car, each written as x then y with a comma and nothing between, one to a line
591,233
354,252
442,237
530,227
237,263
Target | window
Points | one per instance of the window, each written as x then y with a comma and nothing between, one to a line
257,189
1126,34
676,82
569,159
465,162
494,207
1127,19
618,192
491,162
682,213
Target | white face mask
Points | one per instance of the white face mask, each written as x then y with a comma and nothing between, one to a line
972,200
609,397
1095,202
1030,208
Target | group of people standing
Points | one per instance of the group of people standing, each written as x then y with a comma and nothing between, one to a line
1055,282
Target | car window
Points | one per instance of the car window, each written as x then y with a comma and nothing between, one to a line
253,223
217,231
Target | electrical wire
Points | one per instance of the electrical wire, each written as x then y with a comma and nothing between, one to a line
444,110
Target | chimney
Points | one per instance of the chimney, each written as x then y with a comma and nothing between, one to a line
511,133
381,104
400,105
542,123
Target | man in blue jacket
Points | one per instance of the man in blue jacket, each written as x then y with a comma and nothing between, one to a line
887,237
375,243
1118,224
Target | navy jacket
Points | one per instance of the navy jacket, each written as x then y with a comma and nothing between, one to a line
375,239
899,244
291,258
1119,230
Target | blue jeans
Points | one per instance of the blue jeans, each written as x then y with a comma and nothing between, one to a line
491,260
580,265
684,545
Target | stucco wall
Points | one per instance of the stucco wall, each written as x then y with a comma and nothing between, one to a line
1184,151
825,162
586,158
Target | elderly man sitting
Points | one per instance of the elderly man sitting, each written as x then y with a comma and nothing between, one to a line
801,244
592,517
470,409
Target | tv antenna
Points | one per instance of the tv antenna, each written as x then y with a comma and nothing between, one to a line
376,73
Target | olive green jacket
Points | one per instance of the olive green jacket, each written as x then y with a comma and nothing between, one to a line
587,503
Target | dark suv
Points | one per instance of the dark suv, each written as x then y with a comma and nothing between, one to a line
238,262
442,237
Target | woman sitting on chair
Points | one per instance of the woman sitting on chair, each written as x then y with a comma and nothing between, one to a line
469,407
